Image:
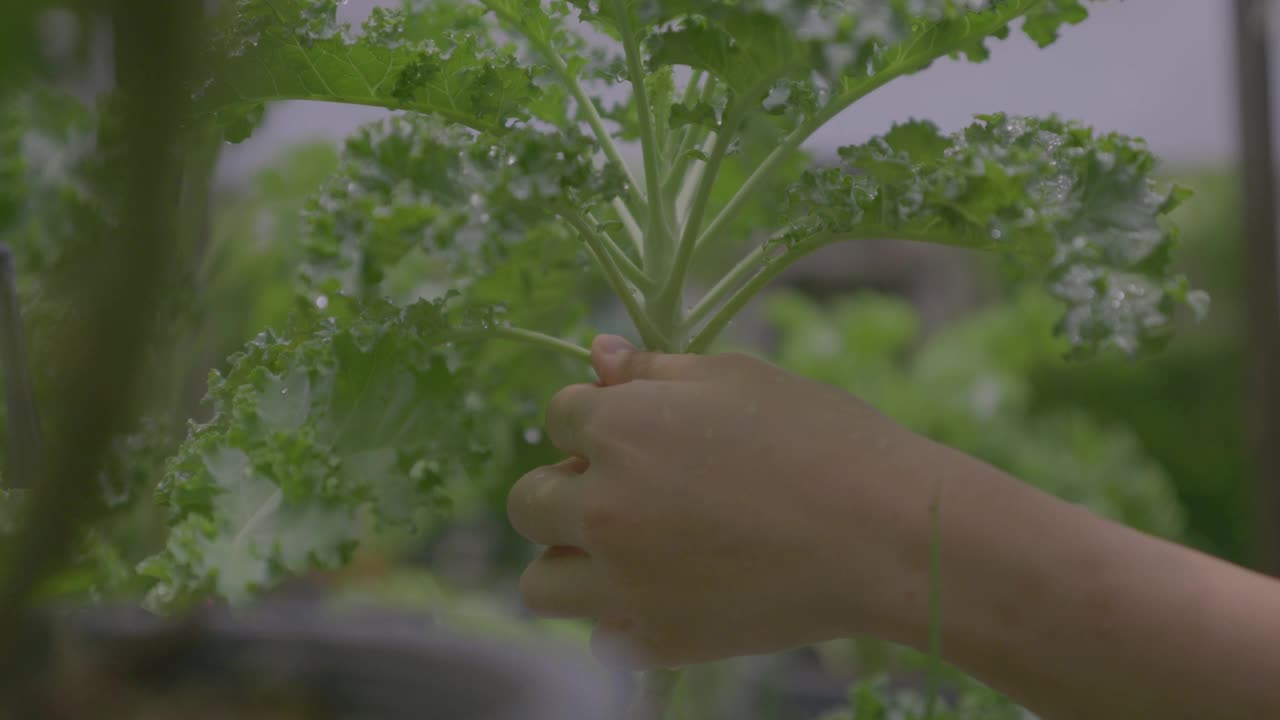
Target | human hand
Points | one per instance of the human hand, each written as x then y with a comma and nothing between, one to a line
717,506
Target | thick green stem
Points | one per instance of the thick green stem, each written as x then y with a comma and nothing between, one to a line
658,241
652,336
666,304
670,294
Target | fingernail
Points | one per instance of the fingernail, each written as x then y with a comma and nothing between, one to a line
613,344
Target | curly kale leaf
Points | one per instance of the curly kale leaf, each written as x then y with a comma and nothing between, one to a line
752,45
459,202
380,403
48,178
438,60
360,408
1086,207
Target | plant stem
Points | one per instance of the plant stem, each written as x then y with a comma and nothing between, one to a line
570,82
726,285
601,132
690,180
629,221
625,264
678,147
658,242
766,166
742,295
670,293
693,134
653,338
533,337
907,62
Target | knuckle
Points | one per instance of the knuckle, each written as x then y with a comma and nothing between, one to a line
562,405
640,365
520,497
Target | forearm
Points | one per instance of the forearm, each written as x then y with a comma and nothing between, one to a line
1079,617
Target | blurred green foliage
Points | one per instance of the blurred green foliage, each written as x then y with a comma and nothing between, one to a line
1185,405
969,387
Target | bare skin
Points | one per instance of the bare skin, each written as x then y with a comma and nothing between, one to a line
715,506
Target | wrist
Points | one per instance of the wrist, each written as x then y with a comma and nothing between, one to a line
879,551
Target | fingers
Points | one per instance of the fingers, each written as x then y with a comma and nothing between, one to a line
573,414
564,583
546,505
569,418
616,361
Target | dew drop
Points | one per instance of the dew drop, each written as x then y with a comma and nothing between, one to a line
532,435
322,302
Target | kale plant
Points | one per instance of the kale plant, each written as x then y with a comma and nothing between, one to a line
499,199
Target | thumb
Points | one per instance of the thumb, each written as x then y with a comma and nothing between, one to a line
609,355
617,361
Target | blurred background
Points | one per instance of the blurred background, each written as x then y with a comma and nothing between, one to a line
947,341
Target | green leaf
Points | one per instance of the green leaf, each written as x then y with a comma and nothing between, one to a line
438,61
357,410
542,25
413,185
792,97
755,43
1043,23
747,51
48,178
1083,206
698,114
